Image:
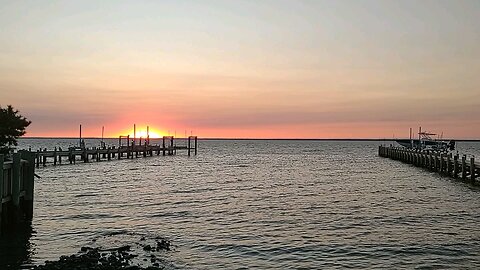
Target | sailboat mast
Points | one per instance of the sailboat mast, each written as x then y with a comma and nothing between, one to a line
80,140
411,141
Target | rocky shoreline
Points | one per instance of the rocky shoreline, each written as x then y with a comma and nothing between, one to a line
93,258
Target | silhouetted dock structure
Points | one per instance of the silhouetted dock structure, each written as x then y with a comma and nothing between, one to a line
17,174
127,150
16,189
447,164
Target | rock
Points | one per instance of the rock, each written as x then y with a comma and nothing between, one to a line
92,258
124,248
163,245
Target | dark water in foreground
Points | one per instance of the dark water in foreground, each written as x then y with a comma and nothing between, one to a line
258,205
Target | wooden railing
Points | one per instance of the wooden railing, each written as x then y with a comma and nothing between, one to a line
16,188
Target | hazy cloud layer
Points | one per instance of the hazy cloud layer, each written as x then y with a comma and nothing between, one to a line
243,68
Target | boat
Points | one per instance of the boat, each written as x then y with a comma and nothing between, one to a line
425,141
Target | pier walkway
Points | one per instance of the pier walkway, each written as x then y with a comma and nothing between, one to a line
447,164
74,154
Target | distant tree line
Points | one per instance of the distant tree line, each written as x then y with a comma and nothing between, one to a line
12,126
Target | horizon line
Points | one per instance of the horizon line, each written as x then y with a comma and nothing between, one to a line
258,139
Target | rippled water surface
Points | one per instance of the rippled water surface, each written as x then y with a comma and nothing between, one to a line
259,205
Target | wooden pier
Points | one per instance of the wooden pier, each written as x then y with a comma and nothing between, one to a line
447,164
17,174
130,150
16,189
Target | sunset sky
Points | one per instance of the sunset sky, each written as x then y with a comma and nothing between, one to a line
245,69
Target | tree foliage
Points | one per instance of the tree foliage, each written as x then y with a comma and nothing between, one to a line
12,126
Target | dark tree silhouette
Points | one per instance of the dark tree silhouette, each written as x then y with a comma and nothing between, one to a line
12,126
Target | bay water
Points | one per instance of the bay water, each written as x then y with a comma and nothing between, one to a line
256,204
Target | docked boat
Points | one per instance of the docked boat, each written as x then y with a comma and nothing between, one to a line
426,141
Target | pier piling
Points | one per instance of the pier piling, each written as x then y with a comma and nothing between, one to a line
444,163
472,169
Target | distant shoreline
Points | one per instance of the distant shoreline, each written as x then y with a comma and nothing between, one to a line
261,139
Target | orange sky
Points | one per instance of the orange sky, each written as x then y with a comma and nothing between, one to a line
243,69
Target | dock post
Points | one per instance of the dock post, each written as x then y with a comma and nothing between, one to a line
85,155
449,168
163,145
145,150
455,166
472,169
1,190
44,160
38,158
441,163
464,167
109,157
55,156
432,161
195,145
427,159
29,173
2,158
16,169
119,154
70,159
189,145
